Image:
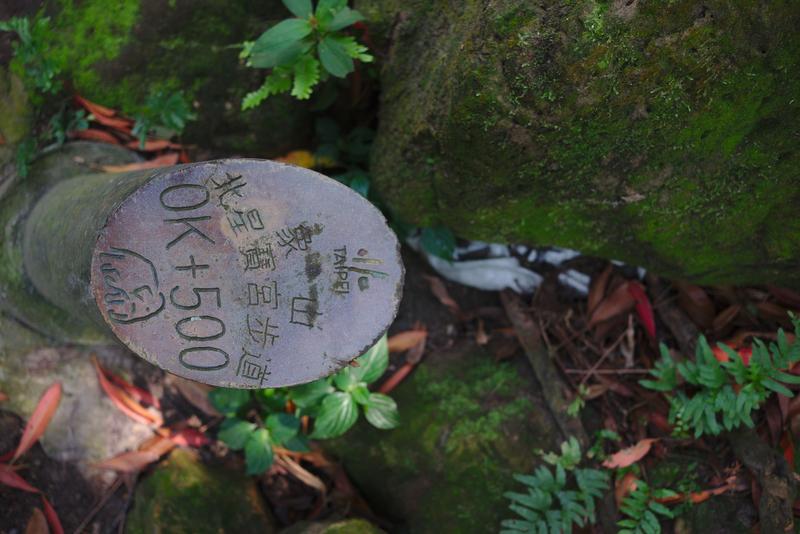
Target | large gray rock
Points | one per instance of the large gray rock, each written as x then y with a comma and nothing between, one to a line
659,133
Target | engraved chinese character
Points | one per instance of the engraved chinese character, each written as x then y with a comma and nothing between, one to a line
250,366
229,187
304,311
194,267
259,258
241,221
258,294
297,238
261,331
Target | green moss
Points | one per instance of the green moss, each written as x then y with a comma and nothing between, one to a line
87,32
467,424
185,496
647,136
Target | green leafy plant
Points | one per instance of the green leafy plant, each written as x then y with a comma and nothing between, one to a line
642,509
164,113
557,499
31,61
257,422
722,395
305,50
64,122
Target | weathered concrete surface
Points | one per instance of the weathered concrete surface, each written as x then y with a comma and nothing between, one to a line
660,133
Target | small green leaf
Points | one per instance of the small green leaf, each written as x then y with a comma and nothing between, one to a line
235,433
283,54
381,411
344,18
360,393
298,443
337,414
360,184
258,452
373,363
334,58
286,31
279,81
306,76
282,427
228,401
307,395
438,241
330,6
299,8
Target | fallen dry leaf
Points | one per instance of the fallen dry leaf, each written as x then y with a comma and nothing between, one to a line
643,308
301,158
130,462
481,338
786,296
598,289
39,419
93,134
3,397
774,313
618,302
403,341
134,392
629,456
93,108
160,161
623,487
10,478
153,145
725,317
439,291
696,303
123,401
37,524
189,437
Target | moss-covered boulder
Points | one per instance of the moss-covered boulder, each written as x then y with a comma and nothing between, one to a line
468,423
345,526
660,133
185,496
117,54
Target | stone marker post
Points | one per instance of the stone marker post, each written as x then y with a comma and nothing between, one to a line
238,273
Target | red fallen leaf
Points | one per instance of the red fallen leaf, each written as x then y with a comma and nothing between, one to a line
184,157
189,437
39,419
619,301
774,313
695,302
660,421
93,134
403,341
10,478
745,353
129,462
643,308
160,161
122,401
153,145
787,445
3,397
115,123
629,456
598,289
135,392
623,487
94,109
439,290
